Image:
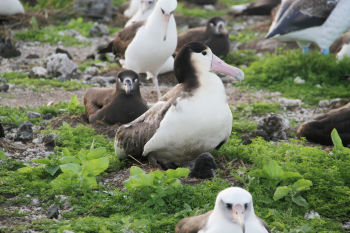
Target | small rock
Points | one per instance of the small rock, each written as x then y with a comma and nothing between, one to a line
311,215
346,225
299,80
4,87
53,212
337,102
25,132
209,7
60,65
33,114
50,141
7,48
66,231
32,56
59,50
99,30
102,9
92,70
203,167
35,202
38,72
290,103
48,116
37,140
2,131
323,103
318,86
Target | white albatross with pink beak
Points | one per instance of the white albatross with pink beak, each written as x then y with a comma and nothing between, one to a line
154,42
192,118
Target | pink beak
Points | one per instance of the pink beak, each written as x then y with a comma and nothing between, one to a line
166,18
222,67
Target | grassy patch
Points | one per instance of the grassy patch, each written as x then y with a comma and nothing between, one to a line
23,81
198,12
16,116
58,33
241,57
244,36
277,72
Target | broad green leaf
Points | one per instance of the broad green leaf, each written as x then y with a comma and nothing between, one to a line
300,201
89,182
134,171
273,170
96,153
52,170
281,192
337,142
2,155
301,185
69,159
179,172
291,175
95,167
25,170
71,167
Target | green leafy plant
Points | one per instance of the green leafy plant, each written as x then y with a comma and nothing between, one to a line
276,176
81,170
155,185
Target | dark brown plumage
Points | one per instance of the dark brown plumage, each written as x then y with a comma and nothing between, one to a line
214,35
121,41
319,130
338,44
116,105
192,224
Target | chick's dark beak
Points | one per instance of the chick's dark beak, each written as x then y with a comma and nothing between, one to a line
127,84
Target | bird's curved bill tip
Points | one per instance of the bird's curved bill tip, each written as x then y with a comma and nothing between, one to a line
222,67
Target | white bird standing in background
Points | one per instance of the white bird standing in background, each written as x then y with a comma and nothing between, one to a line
145,9
154,42
192,118
307,21
233,213
132,9
11,7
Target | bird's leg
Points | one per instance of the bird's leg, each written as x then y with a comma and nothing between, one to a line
325,51
304,46
155,82
149,75
305,50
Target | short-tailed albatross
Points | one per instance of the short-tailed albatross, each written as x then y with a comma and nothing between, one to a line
192,118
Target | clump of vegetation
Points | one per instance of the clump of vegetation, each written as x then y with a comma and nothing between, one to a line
277,73
17,116
23,81
241,57
53,34
80,171
244,36
198,12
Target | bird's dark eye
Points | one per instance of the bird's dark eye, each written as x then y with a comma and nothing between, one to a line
162,10
204,53
229,206
245,205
